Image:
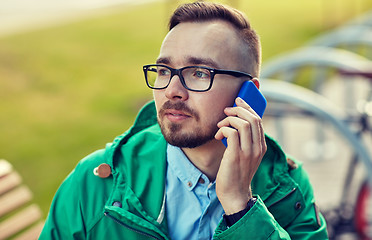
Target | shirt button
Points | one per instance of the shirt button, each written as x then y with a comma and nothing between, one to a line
189,184
103,170
201,180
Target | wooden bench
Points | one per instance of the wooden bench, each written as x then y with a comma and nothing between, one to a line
19,218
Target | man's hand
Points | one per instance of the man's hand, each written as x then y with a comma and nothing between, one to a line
246,146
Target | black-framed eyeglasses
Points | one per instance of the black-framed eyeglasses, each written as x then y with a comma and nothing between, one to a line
193,78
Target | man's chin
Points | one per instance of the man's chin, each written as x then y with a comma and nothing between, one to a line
184,140
181,136
187,143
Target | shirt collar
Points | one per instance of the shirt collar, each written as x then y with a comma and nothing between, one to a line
188,174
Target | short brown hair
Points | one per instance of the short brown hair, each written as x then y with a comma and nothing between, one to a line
207,11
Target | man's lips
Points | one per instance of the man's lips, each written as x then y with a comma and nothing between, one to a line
177,112
175,115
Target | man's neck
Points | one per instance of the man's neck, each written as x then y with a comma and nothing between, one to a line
206,158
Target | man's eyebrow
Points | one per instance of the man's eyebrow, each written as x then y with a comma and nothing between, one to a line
191,61
162,61
202,61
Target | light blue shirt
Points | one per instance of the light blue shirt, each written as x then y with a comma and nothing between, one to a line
192,207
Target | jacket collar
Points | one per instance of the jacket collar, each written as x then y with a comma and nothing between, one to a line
146,117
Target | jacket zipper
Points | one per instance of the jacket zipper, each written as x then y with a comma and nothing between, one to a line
129,227
292,191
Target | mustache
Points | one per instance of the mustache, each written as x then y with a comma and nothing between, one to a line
179,106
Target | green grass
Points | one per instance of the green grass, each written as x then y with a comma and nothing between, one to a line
67,90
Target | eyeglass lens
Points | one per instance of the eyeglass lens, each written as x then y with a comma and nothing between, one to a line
195,78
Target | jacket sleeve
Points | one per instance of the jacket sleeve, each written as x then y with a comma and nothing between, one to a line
67,217
259,223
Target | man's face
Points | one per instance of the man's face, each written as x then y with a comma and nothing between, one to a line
189,119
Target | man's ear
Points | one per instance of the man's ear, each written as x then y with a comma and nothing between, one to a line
256,82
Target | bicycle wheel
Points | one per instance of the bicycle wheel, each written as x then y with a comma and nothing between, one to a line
363,212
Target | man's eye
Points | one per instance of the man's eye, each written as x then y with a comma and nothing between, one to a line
163,72
201,74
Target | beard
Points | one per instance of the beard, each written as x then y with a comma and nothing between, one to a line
174,133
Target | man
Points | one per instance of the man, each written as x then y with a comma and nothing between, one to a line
170,176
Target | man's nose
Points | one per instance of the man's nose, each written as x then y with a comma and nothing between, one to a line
176,90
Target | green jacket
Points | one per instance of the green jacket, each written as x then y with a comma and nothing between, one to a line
129,204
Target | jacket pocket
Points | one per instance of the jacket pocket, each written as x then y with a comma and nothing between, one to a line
287,208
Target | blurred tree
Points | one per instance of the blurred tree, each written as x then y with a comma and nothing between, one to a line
234,3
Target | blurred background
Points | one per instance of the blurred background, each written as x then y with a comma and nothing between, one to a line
71,72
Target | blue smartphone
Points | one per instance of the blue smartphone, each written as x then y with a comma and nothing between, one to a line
251,95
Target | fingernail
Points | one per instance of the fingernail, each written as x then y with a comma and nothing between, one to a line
239,100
